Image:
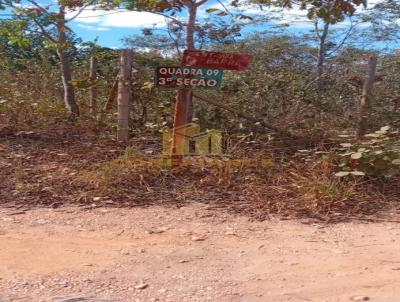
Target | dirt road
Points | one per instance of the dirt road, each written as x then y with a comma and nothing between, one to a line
192,254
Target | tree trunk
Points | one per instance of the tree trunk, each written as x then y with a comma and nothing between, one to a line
184,98
364,102
191,26
192,7
93,87
321,56
180,119
65,66
124,93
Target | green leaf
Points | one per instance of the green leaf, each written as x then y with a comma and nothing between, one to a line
82,83
212,10
147,85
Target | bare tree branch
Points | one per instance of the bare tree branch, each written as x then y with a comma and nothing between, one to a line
348,34
317,29
80,10
44,31
201,2
174,39
225,8
42,9
170,17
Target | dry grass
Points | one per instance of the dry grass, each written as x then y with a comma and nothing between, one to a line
258,187
56,167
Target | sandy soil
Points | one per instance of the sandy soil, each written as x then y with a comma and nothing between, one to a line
193,253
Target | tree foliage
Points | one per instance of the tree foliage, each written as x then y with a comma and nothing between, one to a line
332,11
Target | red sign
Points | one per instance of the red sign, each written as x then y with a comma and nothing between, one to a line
216,60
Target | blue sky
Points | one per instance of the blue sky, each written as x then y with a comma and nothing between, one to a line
109,27
110,38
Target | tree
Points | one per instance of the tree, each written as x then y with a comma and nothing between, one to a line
384,17
51,23
328,47
364,101
169,9
331,11
327,13
171,40
18,45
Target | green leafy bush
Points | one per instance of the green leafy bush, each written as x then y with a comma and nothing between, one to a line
377,156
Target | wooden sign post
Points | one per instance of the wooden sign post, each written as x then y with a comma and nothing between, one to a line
185,78
181,116
124,93
93,87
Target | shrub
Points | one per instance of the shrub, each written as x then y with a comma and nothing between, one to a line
377,156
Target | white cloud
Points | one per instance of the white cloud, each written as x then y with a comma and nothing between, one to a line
101,20
117,18
134,19
91,27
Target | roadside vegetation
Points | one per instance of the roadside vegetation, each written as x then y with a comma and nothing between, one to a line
304,135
